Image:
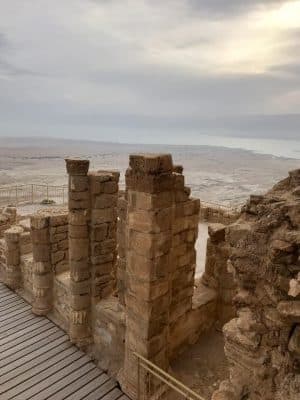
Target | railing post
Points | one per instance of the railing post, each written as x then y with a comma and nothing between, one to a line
47,192
16,195
138,382
32,193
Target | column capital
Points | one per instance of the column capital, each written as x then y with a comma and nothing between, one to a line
77,166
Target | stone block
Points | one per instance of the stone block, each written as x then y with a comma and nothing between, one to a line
151,221
39,222
103,215
41,252
151,163
110,187
78,217
216,232
99,232
79,249
79,183
150,245
80,271
147,291
103,258
77,166
147,201
58,220
104,247
104,201
148,269
150,183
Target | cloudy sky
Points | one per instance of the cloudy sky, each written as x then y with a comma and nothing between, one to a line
150,70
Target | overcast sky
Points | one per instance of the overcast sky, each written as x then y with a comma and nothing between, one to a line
132,70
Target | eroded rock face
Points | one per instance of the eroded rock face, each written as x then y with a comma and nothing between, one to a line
262,343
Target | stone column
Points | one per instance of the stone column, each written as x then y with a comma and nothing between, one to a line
185,232
13,274
80,296
42,274
147,297
103,231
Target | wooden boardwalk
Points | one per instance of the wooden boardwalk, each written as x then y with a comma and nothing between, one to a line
38,362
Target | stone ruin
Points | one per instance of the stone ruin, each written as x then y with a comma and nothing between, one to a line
262,343
117,272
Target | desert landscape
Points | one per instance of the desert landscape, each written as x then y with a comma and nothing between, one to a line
215,174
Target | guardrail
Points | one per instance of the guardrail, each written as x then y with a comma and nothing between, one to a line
33,193
173,386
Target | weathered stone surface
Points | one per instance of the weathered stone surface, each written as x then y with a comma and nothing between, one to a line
77,166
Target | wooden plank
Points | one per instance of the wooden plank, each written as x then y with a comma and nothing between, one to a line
113,395
37,361
9,315
91,387
14,318
31,327
67,380
27,338
7,294
32,339
14,304
79,383
15,300
42,352
35,384
8,299
48,385
17,325
28,373
29,349
101,390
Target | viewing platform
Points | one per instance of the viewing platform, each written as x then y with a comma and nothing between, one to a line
38,361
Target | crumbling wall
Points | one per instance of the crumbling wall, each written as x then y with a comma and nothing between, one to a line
216,275
262,343
217,214
8,217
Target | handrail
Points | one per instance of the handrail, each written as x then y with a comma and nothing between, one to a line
168,379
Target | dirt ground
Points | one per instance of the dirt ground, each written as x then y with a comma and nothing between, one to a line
202,366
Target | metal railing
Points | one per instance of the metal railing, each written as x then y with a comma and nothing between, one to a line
148,390
32,193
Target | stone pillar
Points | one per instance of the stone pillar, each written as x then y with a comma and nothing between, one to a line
79,260
185,232
150,196
103,232
13,274
42,274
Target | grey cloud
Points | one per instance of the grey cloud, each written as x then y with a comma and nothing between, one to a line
94,82
221,8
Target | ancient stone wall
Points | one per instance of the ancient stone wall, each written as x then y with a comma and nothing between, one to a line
8,217
216,275
164,312
116,270
217,214
262,343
